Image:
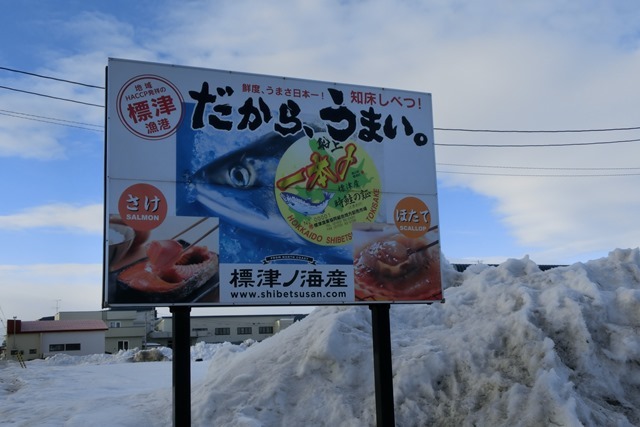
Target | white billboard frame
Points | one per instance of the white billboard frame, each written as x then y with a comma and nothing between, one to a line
240,189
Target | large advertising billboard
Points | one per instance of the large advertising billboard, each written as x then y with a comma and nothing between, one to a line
227,188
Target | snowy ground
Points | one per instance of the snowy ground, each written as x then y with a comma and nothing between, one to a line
512,346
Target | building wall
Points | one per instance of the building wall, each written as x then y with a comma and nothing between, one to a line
27,344
92,342
218,329
125,338
127,328
79,315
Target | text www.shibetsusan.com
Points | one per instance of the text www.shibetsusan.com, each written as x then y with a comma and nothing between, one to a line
288,294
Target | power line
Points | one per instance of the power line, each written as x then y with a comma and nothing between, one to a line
100,128
567,144
595,169
541,175
438,144
50,120
537,168
52,97
467,145
436,128
528,131
537,131
51,78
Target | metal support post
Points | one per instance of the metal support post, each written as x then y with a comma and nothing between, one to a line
181,366
381,331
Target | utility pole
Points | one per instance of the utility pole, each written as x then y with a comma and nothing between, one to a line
15,347
5,327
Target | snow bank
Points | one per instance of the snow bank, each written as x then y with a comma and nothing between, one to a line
512,346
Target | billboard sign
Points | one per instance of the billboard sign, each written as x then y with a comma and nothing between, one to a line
227,188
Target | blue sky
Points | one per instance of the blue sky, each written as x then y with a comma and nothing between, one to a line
501,65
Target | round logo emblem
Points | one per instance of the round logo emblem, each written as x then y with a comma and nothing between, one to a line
150,107
142,206
322,187
412,217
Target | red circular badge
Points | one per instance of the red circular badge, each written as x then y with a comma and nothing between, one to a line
150,107
412,217
143,207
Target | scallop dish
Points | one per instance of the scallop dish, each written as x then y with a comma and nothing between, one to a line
398,268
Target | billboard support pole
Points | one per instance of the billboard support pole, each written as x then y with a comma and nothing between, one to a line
181,364
381,332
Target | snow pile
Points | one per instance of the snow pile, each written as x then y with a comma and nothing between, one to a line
91,359
123,356
203,351
149,355
512,346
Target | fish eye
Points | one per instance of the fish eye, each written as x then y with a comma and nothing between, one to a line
240,176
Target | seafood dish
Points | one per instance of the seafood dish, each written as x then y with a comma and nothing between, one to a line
397,268
172,269
121,238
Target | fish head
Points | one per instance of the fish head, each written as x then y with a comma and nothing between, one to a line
239,187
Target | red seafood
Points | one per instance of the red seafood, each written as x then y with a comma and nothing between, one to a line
163,255
397,268
170,268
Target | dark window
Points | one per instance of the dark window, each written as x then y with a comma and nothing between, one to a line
56,347
123,345
32,351
222,331
244,331
265,329
72,347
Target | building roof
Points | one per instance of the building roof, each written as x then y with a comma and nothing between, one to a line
30,327
245,315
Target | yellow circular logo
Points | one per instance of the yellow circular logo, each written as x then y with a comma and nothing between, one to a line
322,187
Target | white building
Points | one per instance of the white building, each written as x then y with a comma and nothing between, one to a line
44,338
128,329
108,331
233,329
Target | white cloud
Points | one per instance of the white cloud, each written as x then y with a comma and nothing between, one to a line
34,291
86,219
25,130
39,144
494,64
20,137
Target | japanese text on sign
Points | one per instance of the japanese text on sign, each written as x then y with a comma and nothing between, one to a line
341,122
